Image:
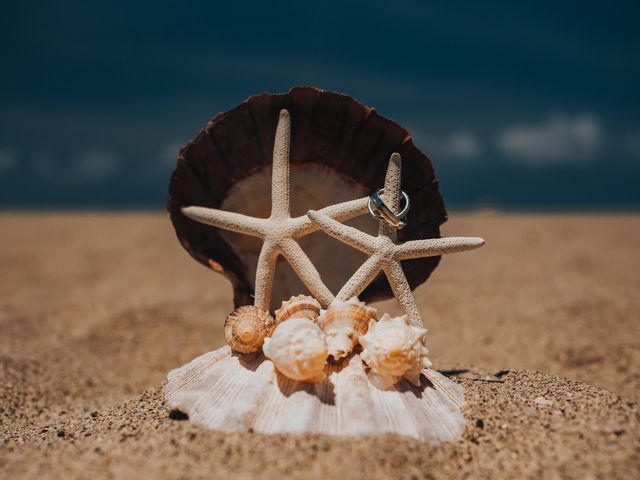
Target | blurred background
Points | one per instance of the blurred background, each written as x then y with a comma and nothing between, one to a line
520,105
529,111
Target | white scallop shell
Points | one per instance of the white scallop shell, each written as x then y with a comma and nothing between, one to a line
394,349
229,392
298,349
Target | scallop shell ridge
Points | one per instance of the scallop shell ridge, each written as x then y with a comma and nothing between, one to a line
225,392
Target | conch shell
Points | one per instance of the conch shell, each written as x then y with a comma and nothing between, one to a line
246,328
300,306
298,349
393,349
344,323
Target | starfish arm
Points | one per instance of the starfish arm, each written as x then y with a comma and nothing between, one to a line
402,291
234,222
265,274
340,212
392,192
346,210
306,271
349,235
436,246
360,279
280,168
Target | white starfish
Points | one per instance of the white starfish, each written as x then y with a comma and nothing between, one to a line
279,232
384,252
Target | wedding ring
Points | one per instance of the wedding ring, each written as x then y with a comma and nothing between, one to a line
379,210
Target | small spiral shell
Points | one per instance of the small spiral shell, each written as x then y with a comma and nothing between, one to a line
299,306
246,327
344,323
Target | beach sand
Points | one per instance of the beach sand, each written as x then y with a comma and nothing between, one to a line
96,308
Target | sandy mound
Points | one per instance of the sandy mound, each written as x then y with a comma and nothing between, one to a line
519,424
95,308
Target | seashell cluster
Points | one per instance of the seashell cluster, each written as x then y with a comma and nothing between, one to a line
344,323
246,328
218,172
302,337
298,349
393,349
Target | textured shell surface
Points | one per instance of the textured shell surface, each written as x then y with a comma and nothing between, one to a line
344,323
394,349
227,392
300,306
298,349
337,143
246,328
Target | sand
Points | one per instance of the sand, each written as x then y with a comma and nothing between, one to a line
96,308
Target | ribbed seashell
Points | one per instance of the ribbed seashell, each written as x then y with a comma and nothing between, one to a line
225,392
298,349
393,349
344,323
300,306
246,328
336,142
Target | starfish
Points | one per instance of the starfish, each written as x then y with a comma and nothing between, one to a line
385,253
280,231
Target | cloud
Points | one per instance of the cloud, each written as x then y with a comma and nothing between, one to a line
91,165
168,154
460,146
463,144
560,138
8,159
94,165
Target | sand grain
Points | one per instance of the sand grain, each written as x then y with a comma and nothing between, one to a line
96,308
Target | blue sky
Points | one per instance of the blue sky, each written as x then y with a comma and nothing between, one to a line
518,104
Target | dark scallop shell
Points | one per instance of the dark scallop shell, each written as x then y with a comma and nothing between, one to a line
334,137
